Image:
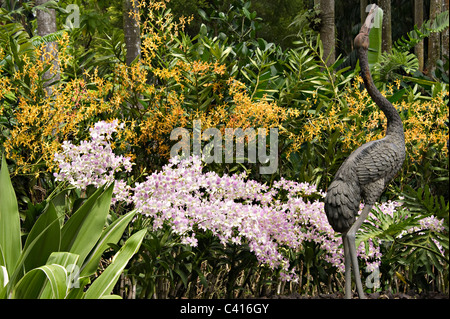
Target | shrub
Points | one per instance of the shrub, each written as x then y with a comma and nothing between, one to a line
59,257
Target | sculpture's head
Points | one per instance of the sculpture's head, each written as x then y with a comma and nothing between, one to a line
362,41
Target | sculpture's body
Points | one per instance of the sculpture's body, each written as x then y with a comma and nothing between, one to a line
366,172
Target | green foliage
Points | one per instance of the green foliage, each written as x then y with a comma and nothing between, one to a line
392,66
104,284
412,251
18,44
311,87
57,262
236,23
10,243
439,24
375,38
161,259
307,21
66,237
424,202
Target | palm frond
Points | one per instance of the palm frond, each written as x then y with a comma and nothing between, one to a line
439,24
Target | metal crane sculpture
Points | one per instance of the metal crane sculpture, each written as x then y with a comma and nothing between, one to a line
366,172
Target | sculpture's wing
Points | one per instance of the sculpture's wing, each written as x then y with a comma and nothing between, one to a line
342,204
381,159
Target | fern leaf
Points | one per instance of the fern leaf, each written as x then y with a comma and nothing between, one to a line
52,37
439,24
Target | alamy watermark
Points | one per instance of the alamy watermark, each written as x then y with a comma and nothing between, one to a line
216,151
377,18
73,19
373,280
73,276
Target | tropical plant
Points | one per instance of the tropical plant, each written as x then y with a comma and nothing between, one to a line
60,256
400,63
413,240
393,65
105,115
439,24
236,24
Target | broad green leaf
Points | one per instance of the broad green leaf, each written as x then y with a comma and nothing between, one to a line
10,244
422,82
84,228
78,292
47,234
3,276
111,234
110,297
203,14
69,262
33,284
375,38
2,257
71,227
182,275
62,258
397,96
18,272
104,284
4,279
61,203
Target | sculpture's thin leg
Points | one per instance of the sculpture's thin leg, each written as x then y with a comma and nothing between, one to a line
351,234
348,267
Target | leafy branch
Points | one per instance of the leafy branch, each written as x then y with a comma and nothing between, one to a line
439,24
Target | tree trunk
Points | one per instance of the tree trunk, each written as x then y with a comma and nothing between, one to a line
445,34
131,30
418,21
434,39
46,24
362,10
386,44
327,30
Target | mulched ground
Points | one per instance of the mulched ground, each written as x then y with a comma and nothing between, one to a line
376,295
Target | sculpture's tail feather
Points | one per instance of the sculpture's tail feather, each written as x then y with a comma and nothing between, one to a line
342,205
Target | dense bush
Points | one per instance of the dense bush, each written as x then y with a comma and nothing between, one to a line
60,256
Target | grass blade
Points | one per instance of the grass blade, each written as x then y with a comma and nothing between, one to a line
104,284
10,244
112,234
84,228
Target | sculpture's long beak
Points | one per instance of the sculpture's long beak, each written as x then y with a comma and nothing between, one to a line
365,28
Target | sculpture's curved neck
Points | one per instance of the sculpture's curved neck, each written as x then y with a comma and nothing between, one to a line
394,122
